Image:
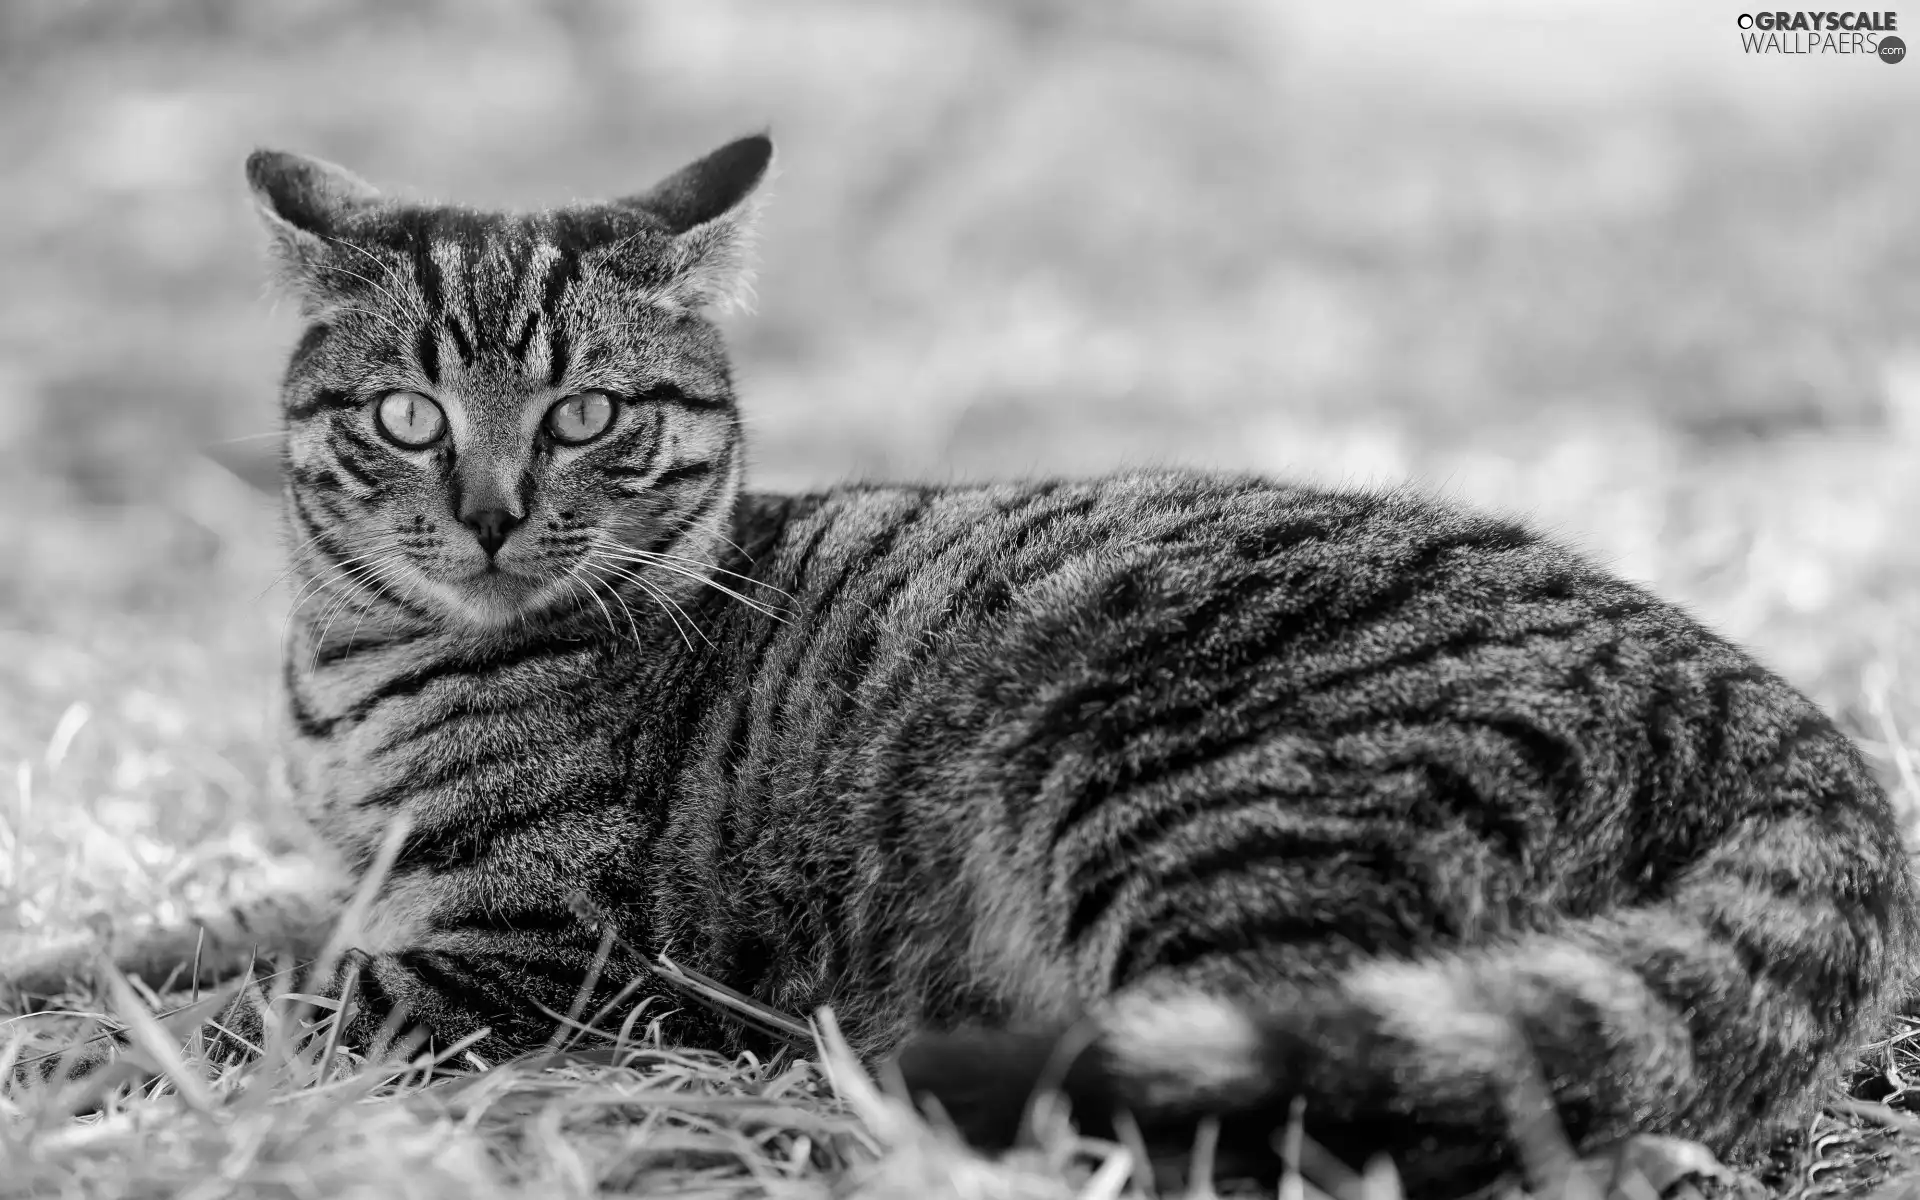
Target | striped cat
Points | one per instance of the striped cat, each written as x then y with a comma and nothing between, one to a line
1189,795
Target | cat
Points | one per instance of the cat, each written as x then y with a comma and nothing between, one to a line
1188,796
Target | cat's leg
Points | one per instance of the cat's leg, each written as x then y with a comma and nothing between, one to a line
216,947
213,947
491,994
500,992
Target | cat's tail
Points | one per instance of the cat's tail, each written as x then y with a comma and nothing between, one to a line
1699,1017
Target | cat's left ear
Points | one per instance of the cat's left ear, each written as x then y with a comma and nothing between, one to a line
709,210
304,202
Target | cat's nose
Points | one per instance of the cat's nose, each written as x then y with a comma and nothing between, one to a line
490,527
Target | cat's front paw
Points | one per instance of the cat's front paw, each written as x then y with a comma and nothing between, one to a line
32,981
83,1071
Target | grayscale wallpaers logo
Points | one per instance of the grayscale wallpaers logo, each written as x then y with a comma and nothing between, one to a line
1867,34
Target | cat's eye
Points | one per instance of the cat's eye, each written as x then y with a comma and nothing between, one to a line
581,417
410,419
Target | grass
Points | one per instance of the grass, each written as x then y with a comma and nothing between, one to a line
627,1114
1657,296
595,1114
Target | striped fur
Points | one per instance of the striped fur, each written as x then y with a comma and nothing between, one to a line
1259,792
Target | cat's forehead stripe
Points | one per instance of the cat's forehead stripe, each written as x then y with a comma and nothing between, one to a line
426,349
496,286
557,269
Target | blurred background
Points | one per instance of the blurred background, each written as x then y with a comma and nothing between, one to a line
1582,261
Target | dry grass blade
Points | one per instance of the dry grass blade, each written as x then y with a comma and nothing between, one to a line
1128,1131
1200,1164
716,995
1292,1144
1654,1166
178,1022
1047,1108
337,1026
1545,1155
1878,1113
565,1028
1109,1181
849,1079
161,1046
1322,1173
353,922
1380,1181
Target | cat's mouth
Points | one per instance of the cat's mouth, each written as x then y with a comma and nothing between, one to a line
494,581
495,594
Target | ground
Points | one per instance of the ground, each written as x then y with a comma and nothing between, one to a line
1597,267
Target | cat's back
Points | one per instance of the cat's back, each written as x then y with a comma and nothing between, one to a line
901,544
1057,567
947,640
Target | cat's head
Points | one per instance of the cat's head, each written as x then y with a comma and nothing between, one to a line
494,416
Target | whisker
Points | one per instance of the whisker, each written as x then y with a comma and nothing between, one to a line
300,593
672,562
412,309
292,566
642,557
324,621
660,597
336,569
633,626
326,615
665,602
398,332
336,572
355,579
594,582
571,580
736,545
379,566
646,559
770,613
695,562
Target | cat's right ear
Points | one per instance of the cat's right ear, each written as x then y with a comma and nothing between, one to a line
708,211
303,202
